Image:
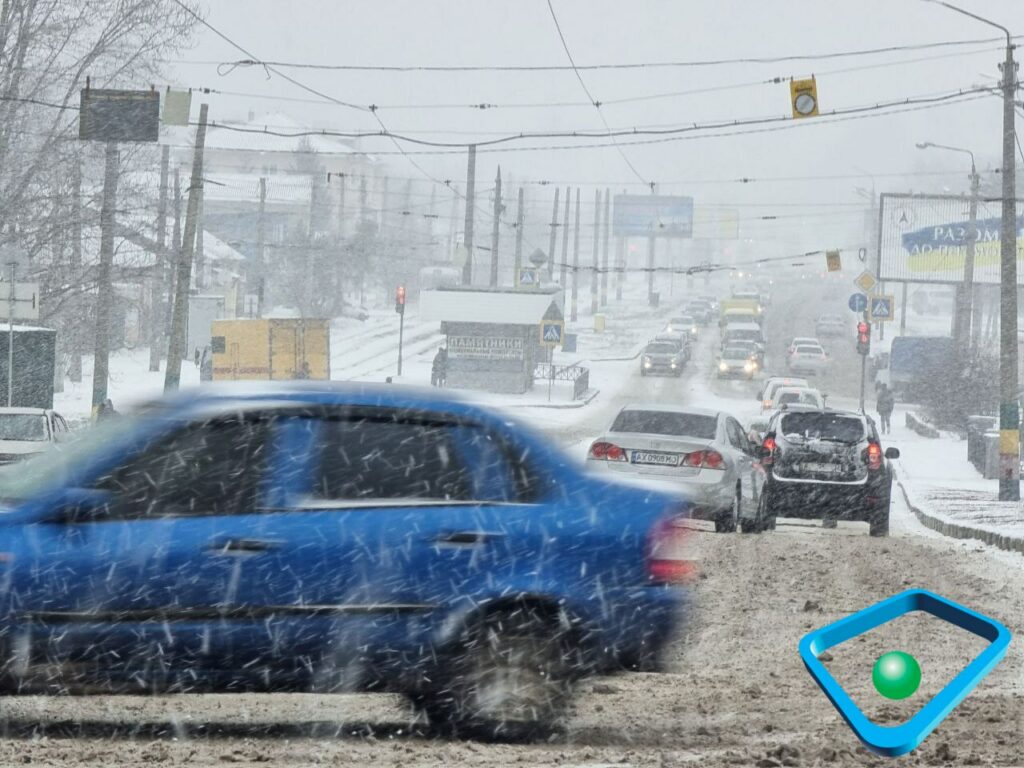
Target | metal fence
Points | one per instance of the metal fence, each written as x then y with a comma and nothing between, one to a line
577,374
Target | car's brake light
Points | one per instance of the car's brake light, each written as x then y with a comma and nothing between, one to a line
874,455
667,550
769,445
704,460
605,451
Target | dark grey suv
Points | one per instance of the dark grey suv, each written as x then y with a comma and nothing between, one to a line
824,464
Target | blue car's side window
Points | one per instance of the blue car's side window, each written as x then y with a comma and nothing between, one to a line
490,472
383,458
211,468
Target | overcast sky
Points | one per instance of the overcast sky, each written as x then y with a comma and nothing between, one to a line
489,32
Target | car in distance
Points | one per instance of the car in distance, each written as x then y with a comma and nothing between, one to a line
662,357
771,384
802,341
830,325
787,396
683,324
706,452
807,359
28,431
736,362
702,310
325,537
824,464
754,350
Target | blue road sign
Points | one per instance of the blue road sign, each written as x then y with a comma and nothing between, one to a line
858,302
881,308
551,332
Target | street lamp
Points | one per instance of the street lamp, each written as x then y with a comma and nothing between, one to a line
1009,409
965,292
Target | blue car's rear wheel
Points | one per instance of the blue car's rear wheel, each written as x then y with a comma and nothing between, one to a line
507,680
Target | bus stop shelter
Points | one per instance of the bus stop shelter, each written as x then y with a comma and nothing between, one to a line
492,336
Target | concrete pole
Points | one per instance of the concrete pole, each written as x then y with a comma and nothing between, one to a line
176,349
519,238
496,230
574,304
160,263
594,276
552,237
1009,408
467,269
564,266
104,284
604,256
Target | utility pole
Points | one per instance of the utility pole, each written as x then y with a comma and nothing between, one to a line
104,284
10,333
519,237
261,248
1009,407
496,229
650,264
200,254
620,265
604,256
75,372
967,289
467,268
176,348
159,264
594,276
175,253
552,236
573,312
564,266
342,180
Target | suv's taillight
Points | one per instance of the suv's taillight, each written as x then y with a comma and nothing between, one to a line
667,550
769,445
873,456
704,460
605,451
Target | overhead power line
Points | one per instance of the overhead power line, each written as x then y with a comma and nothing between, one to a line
253,61
595,102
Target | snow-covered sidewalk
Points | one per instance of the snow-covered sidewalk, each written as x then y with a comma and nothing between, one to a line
948,494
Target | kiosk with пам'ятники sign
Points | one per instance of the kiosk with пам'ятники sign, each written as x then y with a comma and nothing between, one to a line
492,336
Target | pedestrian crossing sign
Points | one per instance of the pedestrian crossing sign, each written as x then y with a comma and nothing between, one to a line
528,276
551,333
882,308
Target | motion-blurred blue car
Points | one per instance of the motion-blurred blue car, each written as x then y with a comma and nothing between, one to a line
318,537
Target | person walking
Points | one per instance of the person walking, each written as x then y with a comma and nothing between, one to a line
438,368
885,402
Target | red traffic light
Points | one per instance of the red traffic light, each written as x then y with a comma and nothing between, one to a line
400,295
863,337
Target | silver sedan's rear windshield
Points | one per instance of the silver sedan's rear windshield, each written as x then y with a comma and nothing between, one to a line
666,423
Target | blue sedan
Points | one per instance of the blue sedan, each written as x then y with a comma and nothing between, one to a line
319,537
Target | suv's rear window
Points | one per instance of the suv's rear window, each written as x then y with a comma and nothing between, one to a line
666,423
822,426
808,350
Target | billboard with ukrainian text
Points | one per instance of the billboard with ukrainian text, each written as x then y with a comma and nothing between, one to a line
924,239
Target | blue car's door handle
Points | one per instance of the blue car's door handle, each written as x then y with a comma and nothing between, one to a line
241,547
465,538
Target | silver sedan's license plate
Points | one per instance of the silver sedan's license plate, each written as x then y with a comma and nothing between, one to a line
656,457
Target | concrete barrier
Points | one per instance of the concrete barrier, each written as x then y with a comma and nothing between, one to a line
920,426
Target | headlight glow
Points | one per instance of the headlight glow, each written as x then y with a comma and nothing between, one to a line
723,367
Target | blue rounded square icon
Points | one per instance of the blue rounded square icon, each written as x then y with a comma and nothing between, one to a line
893,741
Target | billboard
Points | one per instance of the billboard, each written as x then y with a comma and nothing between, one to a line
923,239
652,215
110,115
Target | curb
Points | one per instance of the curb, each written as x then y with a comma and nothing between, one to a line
959,531
591,394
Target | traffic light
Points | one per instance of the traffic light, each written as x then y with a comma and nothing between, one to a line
863,337
803,97
400,300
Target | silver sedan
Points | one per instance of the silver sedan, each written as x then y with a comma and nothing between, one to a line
706,452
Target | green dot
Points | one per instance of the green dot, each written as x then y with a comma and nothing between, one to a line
896,675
